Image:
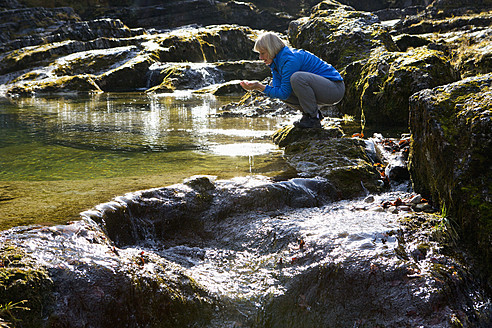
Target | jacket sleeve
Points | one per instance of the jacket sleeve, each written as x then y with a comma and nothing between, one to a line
281,87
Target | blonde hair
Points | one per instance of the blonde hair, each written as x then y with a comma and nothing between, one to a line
269,42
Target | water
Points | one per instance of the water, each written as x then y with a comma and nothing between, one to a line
73,145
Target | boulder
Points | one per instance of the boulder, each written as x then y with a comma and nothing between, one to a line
339,34
377,91
135,287
43,55
471,51
459,7
406,41
62,27
450,155
21,27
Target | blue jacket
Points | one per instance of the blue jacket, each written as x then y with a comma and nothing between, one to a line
287,62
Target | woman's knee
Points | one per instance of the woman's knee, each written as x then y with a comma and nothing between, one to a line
296,78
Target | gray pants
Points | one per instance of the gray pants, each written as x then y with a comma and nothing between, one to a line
311,90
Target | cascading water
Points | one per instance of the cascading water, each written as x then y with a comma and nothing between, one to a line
192,75
254,253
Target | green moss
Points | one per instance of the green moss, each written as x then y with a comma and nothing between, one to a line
22,281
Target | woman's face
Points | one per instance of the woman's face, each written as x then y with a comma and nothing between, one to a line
265,56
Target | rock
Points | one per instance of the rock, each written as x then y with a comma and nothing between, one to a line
25,283
459,7
125,287
450,155
129,76
244,70
291,134
22,27
441,23
211,44
369,199
69,29
389,14
172,14
415,200
161,255
471,51
183,76
342,161
382,4
77,83
406,41
41,56
201,183
378,91
423,207
247,14
123,62
339,34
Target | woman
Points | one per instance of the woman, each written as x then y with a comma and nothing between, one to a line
300,79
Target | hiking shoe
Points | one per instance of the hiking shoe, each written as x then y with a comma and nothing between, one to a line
308,122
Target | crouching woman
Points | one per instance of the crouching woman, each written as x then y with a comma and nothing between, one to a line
299,78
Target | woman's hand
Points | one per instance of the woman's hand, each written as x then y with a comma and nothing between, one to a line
252,85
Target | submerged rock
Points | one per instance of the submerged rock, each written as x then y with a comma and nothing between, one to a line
450,155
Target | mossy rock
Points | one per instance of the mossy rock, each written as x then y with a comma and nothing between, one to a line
377,91
43,55
130,76
321,152
473,58
339,34
450,155
216,43
24,285
94,62
444,21
291,134
77,83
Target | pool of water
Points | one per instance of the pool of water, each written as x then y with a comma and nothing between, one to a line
121,135
77,144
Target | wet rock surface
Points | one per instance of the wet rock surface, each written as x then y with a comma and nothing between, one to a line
250,252
453,146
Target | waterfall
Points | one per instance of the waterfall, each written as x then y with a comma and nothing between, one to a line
190,76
